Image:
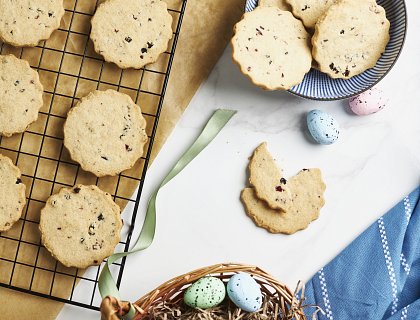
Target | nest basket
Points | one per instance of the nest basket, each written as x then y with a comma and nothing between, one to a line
279,299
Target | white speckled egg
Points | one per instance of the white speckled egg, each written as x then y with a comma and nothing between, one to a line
244,292
370,101
208,292
323,127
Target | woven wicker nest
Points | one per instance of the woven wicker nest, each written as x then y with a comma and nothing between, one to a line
280,303
280,299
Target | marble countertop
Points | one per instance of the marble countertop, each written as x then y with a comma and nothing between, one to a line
201,220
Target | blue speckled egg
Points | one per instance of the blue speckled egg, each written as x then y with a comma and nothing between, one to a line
323,127
244,292
208,292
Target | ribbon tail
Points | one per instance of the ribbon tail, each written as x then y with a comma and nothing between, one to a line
107,285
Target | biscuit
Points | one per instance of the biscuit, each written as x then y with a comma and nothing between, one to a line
26,22
105,133
307,190
281,4
80,226
309,11
272,48
132,33
350,38
12,194
20,95
267,179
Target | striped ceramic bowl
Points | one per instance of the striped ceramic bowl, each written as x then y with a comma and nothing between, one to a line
318,86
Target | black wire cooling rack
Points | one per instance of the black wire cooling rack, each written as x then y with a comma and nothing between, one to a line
69,69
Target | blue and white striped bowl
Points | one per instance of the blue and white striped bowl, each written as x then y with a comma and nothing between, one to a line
319,86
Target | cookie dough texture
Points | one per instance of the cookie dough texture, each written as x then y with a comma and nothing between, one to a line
132,33
105,133
309,11
20,95
272,48
26,22
350,38
281,4
307,190
267,179
12,194
80,226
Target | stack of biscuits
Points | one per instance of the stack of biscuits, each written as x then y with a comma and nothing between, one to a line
278,204
276,44
105,132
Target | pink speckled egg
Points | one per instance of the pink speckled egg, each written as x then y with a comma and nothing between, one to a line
370,101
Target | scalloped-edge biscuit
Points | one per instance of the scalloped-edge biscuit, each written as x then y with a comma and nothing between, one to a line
281,4
307,190
26,22
105,133
80,226
12,194
267,179
272,48
309,11
133,33
20,95
350,38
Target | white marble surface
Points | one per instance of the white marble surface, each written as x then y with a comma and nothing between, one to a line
200,218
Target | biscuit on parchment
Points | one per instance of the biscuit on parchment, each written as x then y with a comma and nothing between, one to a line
132,33
20,95
12,194
26,22
80,226
105,133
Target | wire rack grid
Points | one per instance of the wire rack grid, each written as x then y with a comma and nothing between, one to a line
69,69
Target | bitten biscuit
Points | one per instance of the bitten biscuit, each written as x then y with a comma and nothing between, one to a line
307,190
20,95
272,48
350,38
12,194
281,4
80,226
132,33
309,11
267,179
26,22
105,133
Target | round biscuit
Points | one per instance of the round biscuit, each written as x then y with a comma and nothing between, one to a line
80,226
20,95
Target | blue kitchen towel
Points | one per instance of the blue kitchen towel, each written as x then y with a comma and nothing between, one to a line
378,275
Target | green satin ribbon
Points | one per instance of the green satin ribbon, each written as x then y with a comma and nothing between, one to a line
107,286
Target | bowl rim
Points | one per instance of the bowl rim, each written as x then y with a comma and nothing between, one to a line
373,84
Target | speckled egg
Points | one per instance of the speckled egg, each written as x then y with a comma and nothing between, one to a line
244,292
370,101
323,127
205,293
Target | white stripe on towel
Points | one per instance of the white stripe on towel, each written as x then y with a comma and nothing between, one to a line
404,313
407,208
405,264
389,265
324,290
